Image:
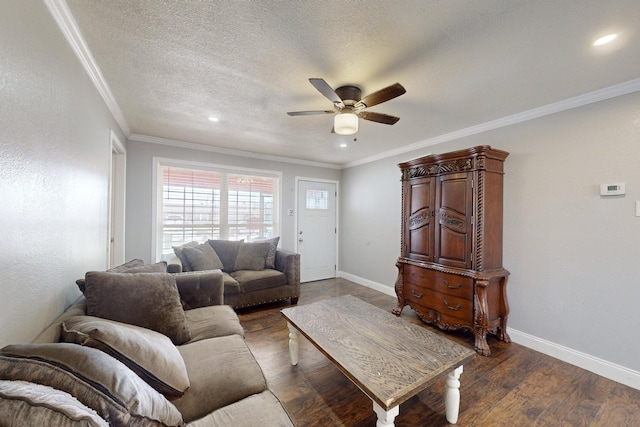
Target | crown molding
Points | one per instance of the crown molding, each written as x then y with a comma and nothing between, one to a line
557,107
67,24
231,152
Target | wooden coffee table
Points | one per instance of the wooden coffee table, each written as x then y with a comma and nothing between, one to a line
389,359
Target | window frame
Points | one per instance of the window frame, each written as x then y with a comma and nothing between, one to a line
157,202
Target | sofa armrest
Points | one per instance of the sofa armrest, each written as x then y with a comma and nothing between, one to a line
200,288
289,263
174,268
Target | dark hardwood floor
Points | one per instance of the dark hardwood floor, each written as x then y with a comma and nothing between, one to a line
516,386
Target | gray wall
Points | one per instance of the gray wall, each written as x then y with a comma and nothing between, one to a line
140,189
54,166
572,254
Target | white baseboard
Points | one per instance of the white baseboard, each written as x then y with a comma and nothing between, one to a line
586,361
368,283
591,363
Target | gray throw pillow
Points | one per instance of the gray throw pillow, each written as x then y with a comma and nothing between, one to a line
252,256
148,300
133,266
149,354
227,251
202,257
270,261
29,404
178,250
96,379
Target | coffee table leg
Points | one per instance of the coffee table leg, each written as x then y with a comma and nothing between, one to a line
293,344
385,418
452,395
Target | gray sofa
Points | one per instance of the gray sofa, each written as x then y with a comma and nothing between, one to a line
254,272
127,353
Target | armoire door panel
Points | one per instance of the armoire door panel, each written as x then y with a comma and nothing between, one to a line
420,244
421,195
454,190
453,249
419,226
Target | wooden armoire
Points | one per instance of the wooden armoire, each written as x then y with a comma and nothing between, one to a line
450,268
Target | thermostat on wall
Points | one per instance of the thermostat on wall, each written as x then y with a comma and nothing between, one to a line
611,189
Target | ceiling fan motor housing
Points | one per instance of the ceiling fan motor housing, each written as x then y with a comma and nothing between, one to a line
349,94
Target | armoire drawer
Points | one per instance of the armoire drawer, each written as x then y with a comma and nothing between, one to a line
445,283
447,305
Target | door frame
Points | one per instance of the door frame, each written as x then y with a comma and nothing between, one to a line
295,217
116,203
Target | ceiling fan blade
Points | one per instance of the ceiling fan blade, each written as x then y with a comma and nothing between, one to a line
378,117
309,113
324,88
383,95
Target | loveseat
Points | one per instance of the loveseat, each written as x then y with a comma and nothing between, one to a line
127,353
253,272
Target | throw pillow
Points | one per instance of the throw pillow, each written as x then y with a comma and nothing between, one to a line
96,379
178,250
127,265
148,300
133,266
28,404
227,251
270,262
202,257
252,256
149,354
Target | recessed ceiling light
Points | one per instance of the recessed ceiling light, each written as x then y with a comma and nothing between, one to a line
342,144
605,39
213,119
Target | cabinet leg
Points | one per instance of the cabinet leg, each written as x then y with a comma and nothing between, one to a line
481,314
399,290
481,344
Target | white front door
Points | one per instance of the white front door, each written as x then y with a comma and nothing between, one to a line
316,233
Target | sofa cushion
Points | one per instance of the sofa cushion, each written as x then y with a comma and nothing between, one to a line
227,251
202,257
222,371
28,404
149,354
96,379
270,261
243,413
213,321
148,300
231,285
252,256
178,250
255,280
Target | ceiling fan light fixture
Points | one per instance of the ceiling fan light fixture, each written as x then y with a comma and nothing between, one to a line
345,123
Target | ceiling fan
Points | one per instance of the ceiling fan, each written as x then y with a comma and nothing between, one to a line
348,105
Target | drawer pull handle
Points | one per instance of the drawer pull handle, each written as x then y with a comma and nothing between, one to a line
456,308
420,295
458,286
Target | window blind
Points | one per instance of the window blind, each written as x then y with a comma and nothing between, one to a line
198,205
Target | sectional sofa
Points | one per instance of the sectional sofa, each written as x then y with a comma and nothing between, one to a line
140,349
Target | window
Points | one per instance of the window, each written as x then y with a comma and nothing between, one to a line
201,203
317,199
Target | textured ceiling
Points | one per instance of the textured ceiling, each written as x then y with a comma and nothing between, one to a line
172,64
